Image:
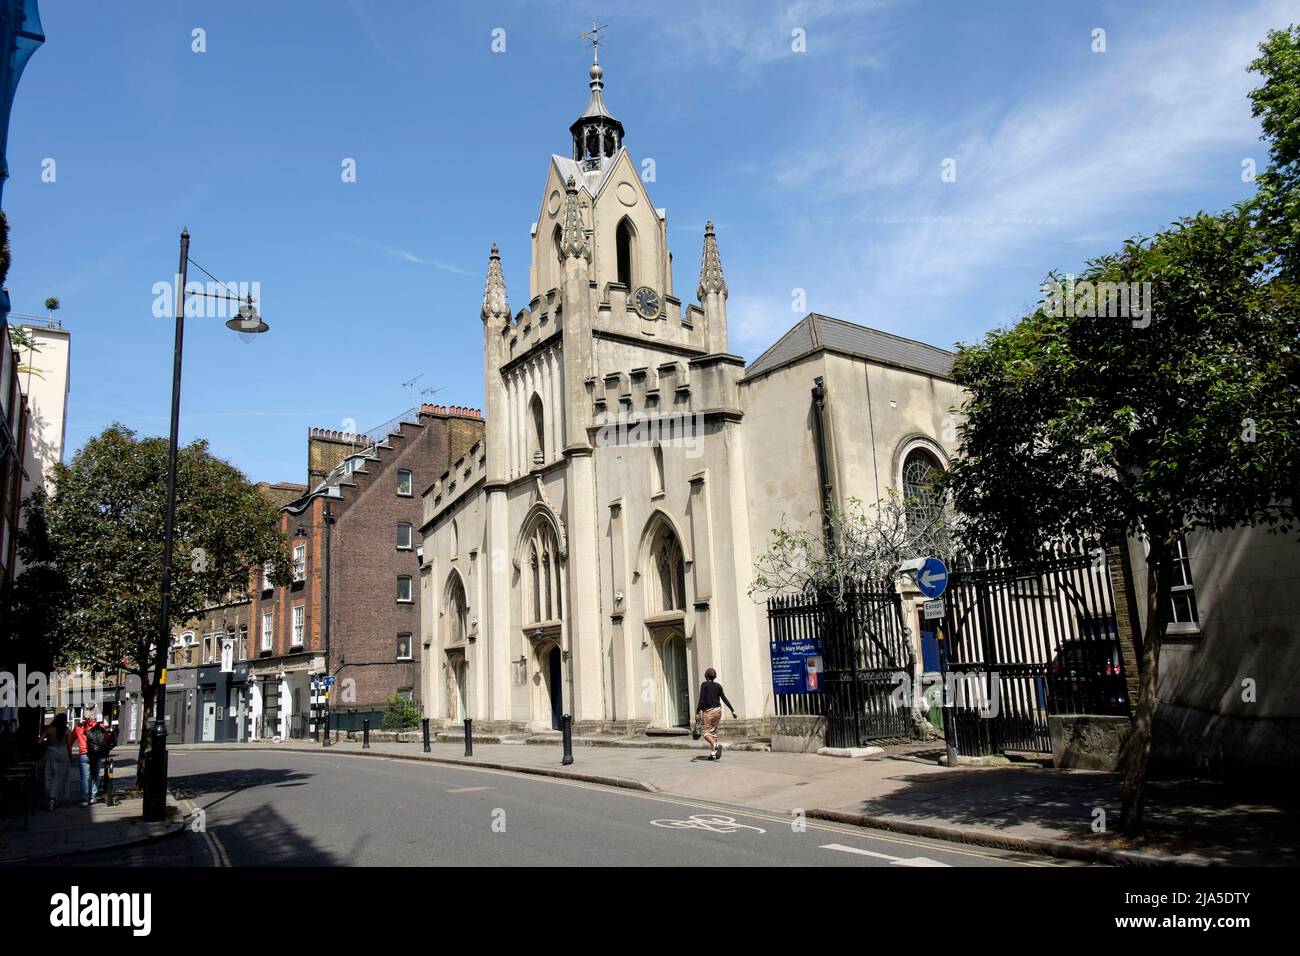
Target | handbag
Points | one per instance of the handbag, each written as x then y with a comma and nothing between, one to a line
695,729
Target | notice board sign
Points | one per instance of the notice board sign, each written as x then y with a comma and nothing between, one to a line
797,666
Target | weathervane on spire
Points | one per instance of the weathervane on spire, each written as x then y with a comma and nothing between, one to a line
595,38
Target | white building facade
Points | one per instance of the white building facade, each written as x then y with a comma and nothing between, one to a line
593,555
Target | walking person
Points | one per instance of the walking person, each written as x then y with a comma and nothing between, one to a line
56,763
99,743
708,711
79,749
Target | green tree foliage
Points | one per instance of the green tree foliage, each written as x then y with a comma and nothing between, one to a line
1080,425
1276,103
105,525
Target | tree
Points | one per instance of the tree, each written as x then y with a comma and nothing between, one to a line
1154,423
105,523
1276,103
867,544
860,544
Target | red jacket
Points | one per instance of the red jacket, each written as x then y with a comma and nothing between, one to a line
77,738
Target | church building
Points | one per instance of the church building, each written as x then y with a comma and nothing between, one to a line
593,554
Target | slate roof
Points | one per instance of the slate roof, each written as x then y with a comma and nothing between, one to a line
815,332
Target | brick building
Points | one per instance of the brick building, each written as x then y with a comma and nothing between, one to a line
369,499
206,703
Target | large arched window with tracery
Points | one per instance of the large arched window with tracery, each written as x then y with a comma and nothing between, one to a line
922,495
544,600
667,572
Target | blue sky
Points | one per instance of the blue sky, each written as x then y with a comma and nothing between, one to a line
821,170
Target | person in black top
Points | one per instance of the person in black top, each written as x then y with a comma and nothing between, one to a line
708,711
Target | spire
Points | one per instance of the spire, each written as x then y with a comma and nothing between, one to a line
597,133
496,308
711,266
573,239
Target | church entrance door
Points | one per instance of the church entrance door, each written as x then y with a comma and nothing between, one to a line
677,685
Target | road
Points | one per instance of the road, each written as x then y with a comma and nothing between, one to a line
263,808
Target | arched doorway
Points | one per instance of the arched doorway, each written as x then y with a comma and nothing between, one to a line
677,682
460,677
666,600
455,631
555,686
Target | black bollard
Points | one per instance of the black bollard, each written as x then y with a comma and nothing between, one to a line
109,800
567,723
426,735
365,734
469,737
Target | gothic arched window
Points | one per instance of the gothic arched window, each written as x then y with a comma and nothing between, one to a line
921,495
668,578
544,600
537,454
456,611
624,243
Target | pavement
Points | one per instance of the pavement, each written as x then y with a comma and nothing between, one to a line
1064,813
71,829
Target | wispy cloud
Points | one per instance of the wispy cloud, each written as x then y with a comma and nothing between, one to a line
404,255
1089,154
747,36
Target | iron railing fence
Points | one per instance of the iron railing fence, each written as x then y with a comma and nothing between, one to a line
1026,641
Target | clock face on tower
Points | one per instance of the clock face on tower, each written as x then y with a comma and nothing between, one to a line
647,302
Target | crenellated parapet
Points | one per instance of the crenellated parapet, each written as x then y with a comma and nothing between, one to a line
452,485
706,385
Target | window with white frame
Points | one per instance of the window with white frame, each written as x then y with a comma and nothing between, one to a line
403,536
299,619
300,562
1182,591
267,570
403,482
404,588
403,647
267,629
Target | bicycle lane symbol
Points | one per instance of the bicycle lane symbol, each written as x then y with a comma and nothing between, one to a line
710,822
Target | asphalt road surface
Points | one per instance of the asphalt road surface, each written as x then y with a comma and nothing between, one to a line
264,808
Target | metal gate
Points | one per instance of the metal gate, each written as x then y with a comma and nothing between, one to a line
1027,641
865,656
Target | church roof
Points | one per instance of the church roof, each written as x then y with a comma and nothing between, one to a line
815,332
593,179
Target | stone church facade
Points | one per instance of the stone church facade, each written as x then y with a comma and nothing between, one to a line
593,554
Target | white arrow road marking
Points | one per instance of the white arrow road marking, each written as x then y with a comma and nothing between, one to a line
896,860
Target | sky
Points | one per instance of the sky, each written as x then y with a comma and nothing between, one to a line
815,134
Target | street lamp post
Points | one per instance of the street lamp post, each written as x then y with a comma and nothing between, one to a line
155,783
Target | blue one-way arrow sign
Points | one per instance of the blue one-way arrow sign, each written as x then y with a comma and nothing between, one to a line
932,577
